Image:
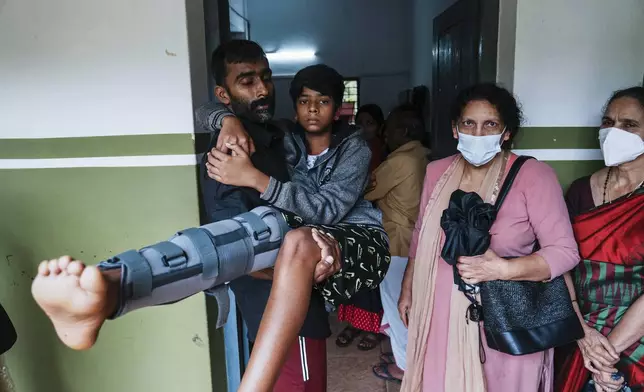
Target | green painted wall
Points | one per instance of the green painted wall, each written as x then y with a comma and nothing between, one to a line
562,138
91,213
558,137
569,171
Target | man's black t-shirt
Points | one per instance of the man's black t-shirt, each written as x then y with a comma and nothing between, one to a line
224,202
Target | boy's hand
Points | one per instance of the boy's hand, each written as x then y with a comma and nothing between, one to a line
233,132
235,169
330,262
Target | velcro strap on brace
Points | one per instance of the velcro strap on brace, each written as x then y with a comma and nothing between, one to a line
234,248
284,227
139,272
261,231
170,254
220,293
205,248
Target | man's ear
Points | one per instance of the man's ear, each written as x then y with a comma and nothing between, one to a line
222,95
336,116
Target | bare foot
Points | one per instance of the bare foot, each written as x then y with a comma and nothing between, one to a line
74,297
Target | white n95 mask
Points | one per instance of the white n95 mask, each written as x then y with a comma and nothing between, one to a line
620,146
479,150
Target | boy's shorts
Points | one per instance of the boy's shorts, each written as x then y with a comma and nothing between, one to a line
365,259
305,368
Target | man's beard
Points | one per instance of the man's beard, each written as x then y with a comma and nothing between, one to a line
248,110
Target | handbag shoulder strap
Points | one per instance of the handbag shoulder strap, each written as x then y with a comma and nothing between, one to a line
509,179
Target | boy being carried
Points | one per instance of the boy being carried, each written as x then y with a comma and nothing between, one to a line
329,174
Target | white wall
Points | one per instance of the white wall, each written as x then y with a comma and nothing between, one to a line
506,45
89,68
570,56
424,12
370,39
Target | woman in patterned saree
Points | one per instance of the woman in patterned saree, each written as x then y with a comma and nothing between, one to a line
608,211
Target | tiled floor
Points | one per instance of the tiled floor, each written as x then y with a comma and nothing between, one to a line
349,369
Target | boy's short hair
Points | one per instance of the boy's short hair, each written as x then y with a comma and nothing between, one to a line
234,52
321,78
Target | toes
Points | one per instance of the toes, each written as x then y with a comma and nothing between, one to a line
54,269
75,268
92,280
43,268
63,262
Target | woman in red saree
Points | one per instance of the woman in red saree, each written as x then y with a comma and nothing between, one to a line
608,211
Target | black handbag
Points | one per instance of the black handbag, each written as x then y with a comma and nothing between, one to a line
522,317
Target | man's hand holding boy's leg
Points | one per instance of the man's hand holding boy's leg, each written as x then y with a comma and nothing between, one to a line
331,261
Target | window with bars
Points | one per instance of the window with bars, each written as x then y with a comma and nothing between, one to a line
351,100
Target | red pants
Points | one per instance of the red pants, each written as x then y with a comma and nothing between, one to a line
305,367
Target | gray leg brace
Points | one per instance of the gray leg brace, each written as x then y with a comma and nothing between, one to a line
199,259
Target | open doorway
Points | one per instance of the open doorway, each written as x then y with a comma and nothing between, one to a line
370,42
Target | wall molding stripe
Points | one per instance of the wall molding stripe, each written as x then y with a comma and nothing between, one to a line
99,162
570,155
562,154
532,138
103,146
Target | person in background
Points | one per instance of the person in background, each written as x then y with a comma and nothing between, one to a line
396,189
372,122
364,313
607,286
485,118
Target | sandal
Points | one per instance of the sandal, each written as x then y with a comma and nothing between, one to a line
370,341
347,336
388,358
382,372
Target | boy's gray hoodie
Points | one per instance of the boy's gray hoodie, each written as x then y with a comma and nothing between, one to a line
329,193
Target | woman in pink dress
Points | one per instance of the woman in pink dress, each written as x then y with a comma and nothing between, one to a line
443,349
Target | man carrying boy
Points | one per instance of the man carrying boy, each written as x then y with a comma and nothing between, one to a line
326,188
244,83
329,166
